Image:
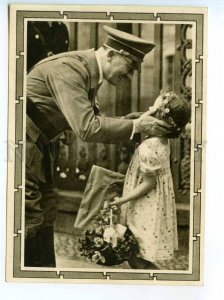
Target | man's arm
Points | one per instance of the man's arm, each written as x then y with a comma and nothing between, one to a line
67,83
68,86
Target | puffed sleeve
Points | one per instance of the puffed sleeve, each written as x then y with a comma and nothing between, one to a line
149,159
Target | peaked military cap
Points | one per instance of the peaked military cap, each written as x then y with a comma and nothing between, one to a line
128,44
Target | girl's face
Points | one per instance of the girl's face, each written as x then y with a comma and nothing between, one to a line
156,108
158,114
160,106
158,102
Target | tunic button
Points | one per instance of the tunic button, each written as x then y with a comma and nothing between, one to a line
66,41
37,36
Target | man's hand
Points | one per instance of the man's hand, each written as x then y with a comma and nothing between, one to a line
133,115
151,126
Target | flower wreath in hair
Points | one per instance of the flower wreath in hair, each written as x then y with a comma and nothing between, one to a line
168,97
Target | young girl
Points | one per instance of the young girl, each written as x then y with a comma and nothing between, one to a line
148,203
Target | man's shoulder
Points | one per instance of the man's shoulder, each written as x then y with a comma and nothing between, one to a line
83,58
81,62
75,60
80,57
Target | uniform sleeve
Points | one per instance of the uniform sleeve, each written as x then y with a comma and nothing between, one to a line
68,86
150,162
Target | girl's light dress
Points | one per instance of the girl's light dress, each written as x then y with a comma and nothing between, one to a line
152,218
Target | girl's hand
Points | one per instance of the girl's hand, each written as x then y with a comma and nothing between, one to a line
117,201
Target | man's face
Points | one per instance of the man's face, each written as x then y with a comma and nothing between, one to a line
119,69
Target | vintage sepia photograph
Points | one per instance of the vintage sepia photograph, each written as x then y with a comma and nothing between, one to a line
106,144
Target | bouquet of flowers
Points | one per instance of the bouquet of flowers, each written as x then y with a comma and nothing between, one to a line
107,242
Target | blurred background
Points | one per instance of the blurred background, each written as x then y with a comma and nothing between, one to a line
168,65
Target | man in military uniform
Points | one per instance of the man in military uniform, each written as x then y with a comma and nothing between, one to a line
61,95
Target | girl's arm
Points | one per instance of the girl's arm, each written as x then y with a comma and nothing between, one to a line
149,182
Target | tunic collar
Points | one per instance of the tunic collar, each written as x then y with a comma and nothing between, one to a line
92,65
100,68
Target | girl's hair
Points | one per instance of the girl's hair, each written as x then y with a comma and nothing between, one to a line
176,111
